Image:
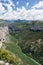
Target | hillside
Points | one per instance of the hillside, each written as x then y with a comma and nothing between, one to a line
30,42
14,48
19,42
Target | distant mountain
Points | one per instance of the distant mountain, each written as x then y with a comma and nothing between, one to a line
17,21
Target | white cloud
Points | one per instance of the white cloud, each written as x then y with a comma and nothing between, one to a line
36,14
22,13
38,5
2,9
17,2
11,3
27,3
9,8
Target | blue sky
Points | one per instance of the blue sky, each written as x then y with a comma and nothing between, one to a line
21,9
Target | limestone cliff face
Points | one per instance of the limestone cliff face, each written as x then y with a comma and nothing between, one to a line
3,34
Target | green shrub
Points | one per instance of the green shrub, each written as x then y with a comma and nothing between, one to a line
9,57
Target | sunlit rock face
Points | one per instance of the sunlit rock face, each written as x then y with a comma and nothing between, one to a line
3,33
